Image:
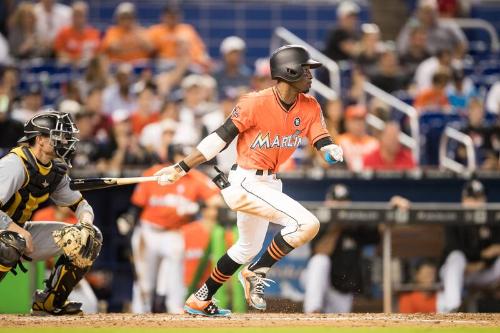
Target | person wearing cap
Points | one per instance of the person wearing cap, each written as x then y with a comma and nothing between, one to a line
174,40
334,273
439,34
77,42
232,73
31,102
389,75
127,41
355,142
390,154
471,253
343,40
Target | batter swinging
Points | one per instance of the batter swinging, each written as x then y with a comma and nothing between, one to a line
270,124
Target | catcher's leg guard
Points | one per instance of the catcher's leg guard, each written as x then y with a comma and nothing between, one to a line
53,300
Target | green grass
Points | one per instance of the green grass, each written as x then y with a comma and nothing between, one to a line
256,330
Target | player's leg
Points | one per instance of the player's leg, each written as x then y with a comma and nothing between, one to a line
300,226
485,277
452,275
172,271
317,283
252,232
84,294
65,275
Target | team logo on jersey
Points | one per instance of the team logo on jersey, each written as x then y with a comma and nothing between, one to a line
235,113
296,122
265,141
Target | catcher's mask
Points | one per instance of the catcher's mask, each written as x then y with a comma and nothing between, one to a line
287,63
59,127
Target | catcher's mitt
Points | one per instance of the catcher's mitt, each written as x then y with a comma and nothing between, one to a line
12,247
69,239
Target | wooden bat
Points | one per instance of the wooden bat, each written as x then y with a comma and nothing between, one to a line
85,184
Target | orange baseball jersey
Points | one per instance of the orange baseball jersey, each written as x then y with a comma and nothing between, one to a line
77,44
269,134
171,206
129,42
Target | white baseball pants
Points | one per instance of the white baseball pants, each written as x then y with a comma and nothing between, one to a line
159,265
259,200
320,296
452,274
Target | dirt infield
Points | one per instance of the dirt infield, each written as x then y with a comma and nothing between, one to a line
255,320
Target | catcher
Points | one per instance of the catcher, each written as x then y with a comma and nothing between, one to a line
31,174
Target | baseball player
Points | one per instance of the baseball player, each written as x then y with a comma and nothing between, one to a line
31,174
158,243
270,125
472,254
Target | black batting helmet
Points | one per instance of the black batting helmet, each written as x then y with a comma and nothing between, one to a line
56,125
287,63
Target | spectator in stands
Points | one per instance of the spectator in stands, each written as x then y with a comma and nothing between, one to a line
356,143
343,40
4,51
471,253
51,17
79,42
482,135
356,92
24,42
460,92
423,298
332,109
147,109
416,52
127,41
31,102
10,130
102,122
233,73
261,78
7,8
434,99
95,75
334,272
442,62
173,39
493,99
126,152
439,34
390,154
389,75
119,95
164,129
369,48
9,81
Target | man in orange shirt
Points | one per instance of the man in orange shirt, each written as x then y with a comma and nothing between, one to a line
172,39
270,125
158,244
78,42
434,99
127,41
356,143
423,300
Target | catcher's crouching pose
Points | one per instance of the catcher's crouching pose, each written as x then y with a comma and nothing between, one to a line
31,174
270,125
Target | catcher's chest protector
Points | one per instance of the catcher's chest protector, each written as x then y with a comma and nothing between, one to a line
41,182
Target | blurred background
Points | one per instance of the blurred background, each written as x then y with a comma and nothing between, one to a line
409,88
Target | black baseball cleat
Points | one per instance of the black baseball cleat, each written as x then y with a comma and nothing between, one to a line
42,306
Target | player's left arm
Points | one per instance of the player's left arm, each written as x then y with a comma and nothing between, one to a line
320,138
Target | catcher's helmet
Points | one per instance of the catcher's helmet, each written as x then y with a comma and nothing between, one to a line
287,62
56,125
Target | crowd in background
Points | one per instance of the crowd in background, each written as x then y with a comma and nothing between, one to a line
132,114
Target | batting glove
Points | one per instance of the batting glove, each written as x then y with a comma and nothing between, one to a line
333,153
170,174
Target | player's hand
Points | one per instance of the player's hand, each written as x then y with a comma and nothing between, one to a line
333,153
26,235
491,251
170,174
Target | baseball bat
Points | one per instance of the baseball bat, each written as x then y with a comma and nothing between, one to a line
85,184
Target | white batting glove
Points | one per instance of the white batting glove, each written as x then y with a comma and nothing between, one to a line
335,152
170,174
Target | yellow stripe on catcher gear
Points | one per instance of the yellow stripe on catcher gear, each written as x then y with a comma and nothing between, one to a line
69,239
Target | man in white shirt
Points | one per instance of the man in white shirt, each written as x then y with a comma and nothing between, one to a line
493,99
50,18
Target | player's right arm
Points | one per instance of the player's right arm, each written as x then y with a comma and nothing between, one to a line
12,178
240,120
